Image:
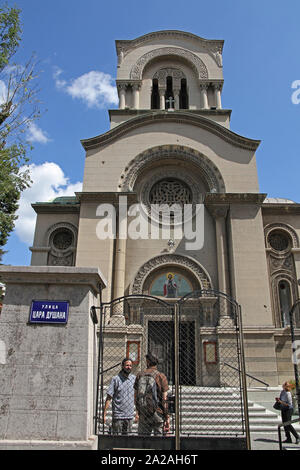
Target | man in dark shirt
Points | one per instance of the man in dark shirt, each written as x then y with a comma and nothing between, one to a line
158,422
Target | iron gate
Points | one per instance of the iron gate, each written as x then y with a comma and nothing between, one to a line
199,345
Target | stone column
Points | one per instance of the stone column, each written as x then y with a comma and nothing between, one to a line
204,99
48,372
136,95
162,91
219,213
217,88
121,241
176,92
122,91
120,260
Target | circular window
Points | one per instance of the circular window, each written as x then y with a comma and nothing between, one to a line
62,239
170,191
279,241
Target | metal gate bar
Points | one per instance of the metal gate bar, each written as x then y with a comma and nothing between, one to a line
204,323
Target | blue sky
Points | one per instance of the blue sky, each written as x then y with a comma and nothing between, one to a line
75,44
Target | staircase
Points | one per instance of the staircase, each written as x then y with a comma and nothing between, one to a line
218,411
209,411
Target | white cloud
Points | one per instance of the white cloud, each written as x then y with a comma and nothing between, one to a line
48,182
3,92
94,88
36,134
56,74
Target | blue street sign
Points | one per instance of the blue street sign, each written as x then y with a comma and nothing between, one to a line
49,311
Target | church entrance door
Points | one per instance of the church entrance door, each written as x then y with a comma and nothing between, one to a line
161,344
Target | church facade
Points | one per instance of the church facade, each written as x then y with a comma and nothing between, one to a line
170,145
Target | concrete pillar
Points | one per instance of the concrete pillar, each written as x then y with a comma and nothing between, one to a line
48,371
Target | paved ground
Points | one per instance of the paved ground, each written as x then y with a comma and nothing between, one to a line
269,441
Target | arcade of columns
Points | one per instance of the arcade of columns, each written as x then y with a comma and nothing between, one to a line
136,85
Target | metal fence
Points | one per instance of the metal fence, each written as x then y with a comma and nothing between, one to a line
198,343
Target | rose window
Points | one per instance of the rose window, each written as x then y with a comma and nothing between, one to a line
278,241
170,191
62,239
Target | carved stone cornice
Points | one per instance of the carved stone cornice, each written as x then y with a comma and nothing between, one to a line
199,112
213,46
174,117
212,199
129,44
50,208
123,84
281,208
107,197
59,275
218,210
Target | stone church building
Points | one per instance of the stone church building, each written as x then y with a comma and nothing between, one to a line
170,142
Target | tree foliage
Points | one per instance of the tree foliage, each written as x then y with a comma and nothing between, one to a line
10,34
19,107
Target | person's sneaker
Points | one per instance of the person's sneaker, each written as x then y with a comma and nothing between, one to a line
297,440
288,441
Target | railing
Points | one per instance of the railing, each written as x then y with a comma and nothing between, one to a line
112,367
282,425
248,375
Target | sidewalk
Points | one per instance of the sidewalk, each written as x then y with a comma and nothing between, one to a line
269,441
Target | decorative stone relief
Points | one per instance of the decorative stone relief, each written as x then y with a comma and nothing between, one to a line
170,191
170,259
286,230
196,63
280,239
61,238
162,74
209,172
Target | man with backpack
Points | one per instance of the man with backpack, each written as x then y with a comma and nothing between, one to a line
151,387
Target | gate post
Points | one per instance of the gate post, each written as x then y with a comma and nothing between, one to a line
176,373
243,376
294,352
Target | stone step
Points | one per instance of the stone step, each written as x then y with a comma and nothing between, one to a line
218,411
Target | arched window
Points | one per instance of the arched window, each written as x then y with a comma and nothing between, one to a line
183,96
62,244
155,95
169,96
285,301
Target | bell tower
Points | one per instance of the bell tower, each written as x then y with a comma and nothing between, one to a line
170,71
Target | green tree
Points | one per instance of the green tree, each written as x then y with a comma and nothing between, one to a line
18,109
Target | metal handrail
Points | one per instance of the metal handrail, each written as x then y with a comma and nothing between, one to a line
248,375
112,367
286,423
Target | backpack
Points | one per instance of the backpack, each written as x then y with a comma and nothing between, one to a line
146,398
